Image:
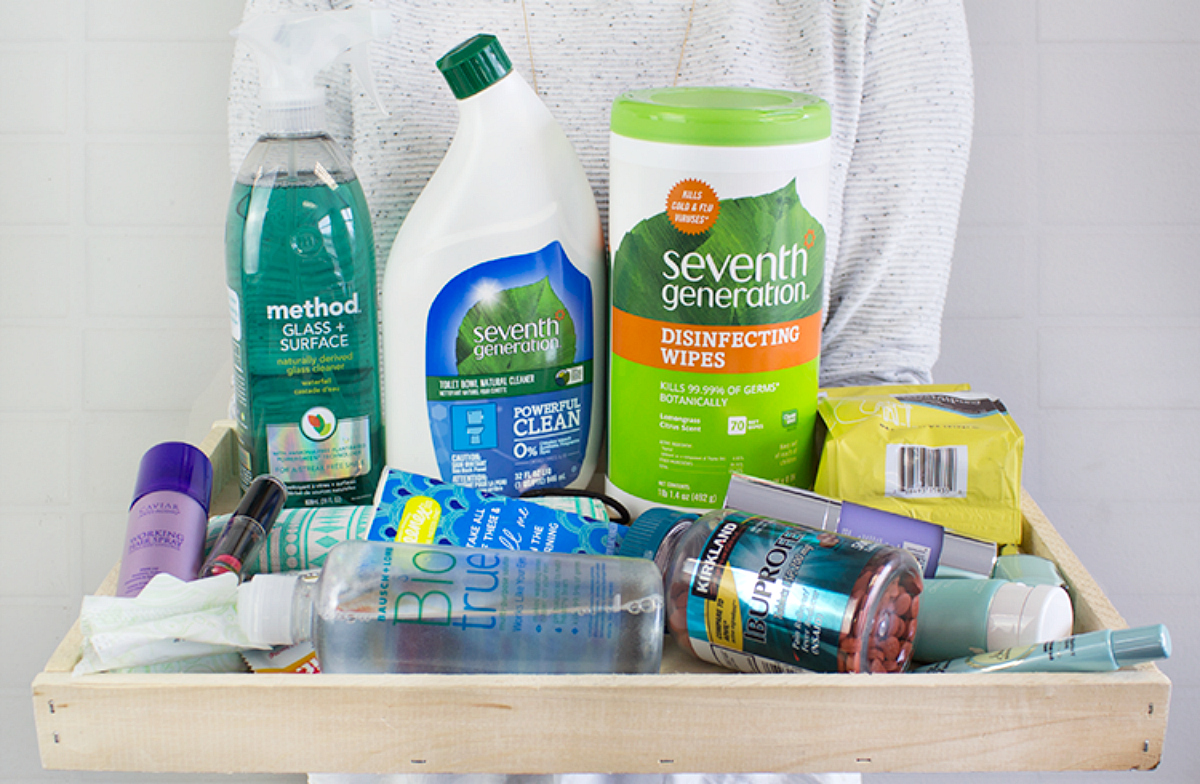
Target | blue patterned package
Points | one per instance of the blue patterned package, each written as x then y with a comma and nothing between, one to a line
300,538
418,509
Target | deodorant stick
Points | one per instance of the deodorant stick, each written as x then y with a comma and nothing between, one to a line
168,518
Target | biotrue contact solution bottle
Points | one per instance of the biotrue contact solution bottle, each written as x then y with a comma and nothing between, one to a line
493,297
300,264
390,607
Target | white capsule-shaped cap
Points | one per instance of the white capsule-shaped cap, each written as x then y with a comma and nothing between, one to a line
1027,615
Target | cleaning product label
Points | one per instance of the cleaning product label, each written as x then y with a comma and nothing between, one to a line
302,308
509,373
768,596
717,287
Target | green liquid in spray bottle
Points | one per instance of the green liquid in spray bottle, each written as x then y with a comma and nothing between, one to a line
300,266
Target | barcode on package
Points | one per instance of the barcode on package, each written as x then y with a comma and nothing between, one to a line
925,472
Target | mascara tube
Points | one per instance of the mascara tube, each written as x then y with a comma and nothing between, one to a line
247,527
1100,651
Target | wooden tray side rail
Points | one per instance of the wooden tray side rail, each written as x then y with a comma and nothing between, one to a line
689,718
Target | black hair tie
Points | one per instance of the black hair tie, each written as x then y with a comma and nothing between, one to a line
622,514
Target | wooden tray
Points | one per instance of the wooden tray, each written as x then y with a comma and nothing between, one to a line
689,718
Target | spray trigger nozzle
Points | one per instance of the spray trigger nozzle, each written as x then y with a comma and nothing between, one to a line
359,57
292,48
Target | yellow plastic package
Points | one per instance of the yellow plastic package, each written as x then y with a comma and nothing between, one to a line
939,453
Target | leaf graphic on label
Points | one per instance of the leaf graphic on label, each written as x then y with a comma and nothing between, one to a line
774,223
318,424
521,328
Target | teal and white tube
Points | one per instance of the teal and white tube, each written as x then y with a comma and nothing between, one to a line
1102,651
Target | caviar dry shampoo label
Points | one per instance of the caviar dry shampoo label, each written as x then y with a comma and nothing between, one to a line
717,288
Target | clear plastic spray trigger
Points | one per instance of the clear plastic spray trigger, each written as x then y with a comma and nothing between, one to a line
293,48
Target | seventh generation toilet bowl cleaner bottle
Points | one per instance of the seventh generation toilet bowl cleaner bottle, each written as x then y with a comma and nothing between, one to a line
492,306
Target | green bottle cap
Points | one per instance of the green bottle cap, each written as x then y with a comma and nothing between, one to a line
721,116
474,65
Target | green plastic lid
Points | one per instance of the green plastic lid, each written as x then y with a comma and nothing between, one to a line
474,65
721,116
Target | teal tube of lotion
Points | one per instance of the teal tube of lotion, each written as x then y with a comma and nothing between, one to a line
1101,651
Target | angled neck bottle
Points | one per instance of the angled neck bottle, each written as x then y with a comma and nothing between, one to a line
493,297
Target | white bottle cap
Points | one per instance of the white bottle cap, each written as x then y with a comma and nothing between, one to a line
265,608
1028,614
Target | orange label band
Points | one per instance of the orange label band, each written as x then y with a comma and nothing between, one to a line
705,349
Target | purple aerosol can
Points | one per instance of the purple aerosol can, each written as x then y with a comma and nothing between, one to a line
168,518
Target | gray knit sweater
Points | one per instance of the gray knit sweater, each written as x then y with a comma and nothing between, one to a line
897,74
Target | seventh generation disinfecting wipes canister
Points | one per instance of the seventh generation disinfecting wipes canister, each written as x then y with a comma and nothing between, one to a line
718,202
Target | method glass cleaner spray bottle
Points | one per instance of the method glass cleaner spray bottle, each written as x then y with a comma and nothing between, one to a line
300,264
381,607
493,297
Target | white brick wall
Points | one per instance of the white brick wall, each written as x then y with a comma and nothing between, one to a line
1075,298
113,322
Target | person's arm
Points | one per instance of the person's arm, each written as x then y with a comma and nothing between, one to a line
901,199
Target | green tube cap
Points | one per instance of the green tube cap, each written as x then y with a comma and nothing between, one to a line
1145,643
474,65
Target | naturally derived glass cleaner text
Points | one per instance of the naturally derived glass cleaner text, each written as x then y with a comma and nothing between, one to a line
304,339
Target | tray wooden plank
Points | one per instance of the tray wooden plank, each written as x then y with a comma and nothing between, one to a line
689,718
